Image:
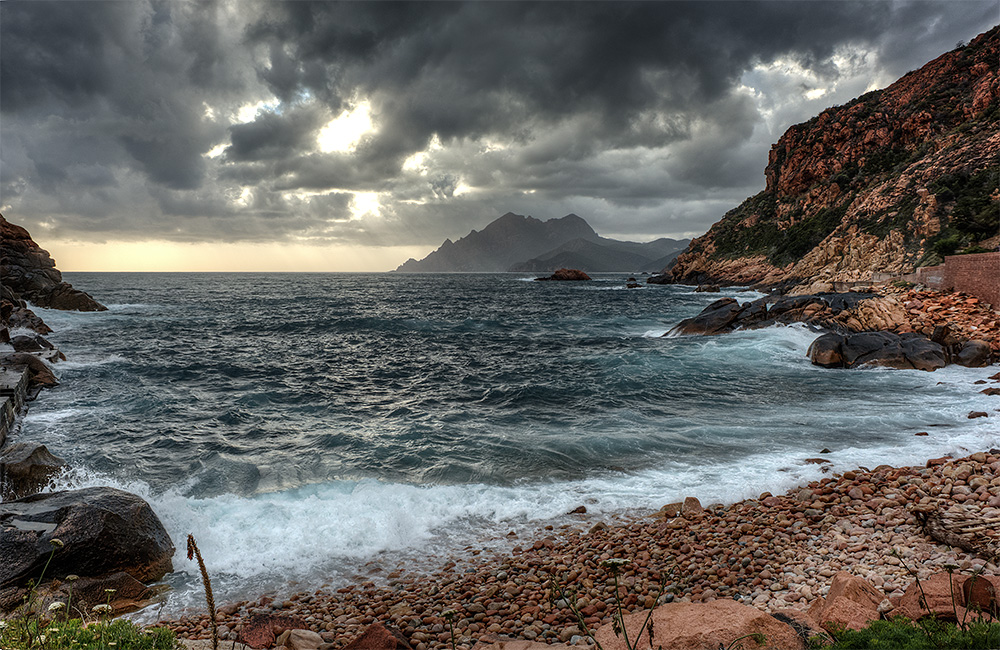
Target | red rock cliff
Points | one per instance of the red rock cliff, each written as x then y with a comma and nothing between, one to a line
892,180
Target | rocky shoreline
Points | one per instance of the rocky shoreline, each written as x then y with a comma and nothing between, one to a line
777,553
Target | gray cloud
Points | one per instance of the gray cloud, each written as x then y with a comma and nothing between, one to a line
130,119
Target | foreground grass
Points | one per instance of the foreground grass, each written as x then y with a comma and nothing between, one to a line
28,633
903,634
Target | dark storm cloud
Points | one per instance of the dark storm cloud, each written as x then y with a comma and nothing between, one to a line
121,117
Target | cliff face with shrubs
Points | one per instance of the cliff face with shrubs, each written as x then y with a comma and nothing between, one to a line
890,181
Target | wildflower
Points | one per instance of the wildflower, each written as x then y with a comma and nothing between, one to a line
449,614
41,638
3,624
56,606
56,542
72,577
615,563
110,591
102,608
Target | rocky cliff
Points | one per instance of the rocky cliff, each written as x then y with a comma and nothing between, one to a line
29,274
890,181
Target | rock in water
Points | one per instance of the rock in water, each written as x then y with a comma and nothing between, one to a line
102,531
827,351
714,319
886,349
973,354
566,275
25,468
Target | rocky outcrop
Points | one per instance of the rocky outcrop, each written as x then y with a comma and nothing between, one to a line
95,533
25,468
840,312
566,275
30,274
894,179
884,349
863,329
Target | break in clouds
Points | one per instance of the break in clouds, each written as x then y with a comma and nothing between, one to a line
404,123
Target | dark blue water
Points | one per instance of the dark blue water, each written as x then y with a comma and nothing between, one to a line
383,413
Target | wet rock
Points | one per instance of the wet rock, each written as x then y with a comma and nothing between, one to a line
708,288
978,414
101,531
25,468
40,375
714,319
973,354
827,351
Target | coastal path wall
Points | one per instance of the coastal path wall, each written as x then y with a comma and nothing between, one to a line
977,274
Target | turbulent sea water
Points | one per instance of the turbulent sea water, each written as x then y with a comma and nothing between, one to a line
326,428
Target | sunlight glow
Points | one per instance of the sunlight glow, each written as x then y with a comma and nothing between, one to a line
343,133
273,257
216,151
365,204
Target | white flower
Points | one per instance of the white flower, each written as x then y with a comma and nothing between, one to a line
56,606
102,608
56,542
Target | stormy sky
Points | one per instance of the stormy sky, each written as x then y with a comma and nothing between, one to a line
339,136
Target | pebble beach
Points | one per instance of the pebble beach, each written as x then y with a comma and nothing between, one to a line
776,552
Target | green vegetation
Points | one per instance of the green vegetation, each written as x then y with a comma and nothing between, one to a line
901,633
53,629
781,246
975,213
30,632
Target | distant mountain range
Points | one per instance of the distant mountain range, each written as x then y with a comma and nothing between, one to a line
518,243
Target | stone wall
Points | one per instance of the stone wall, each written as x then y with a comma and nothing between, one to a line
977,274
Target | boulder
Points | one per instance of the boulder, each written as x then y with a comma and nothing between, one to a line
827,351
934,596
299,640
714,319
885,349
851,603
708,288
379,637
973,354
94,531
922,353
262,630
40,375
24,318
566,275
25,468
691,626
30,344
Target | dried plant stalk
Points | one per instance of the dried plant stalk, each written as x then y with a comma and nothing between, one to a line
193,552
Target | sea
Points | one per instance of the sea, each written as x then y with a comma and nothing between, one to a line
327,429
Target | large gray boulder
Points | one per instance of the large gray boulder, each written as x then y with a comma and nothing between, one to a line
886,349
101,530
